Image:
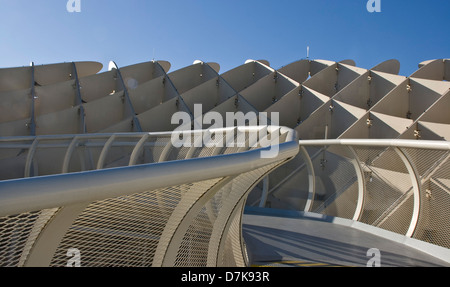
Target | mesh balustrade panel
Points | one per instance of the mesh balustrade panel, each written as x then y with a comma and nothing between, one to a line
119,153
426,161
124,231
152,151
290,183
49,155
344,203
336,174
49,161
178,153
87,155
235,253
387,202
152,154
12,162
18,234
213,142
193,251
434,217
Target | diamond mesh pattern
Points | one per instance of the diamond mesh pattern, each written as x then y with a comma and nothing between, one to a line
195,246
388,187
124,231
334,175
17,235
389,197
293,177
235,251
433,224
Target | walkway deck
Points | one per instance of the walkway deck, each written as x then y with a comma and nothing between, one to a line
278,241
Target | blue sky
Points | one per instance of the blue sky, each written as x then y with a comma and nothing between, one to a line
227,32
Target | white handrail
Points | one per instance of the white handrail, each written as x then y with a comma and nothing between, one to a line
32,194
405,150
438,145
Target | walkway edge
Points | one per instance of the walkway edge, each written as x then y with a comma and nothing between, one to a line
425,247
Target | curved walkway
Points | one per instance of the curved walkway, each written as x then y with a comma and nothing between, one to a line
306,242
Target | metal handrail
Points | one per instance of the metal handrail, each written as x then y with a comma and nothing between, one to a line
402,149
44,192
437,145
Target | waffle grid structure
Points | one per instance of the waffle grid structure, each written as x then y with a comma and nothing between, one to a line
320,99
57,119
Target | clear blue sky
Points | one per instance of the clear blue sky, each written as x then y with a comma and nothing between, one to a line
227,32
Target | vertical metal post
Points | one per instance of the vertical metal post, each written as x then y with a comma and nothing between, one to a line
415,180
30,156
361,184
311,179
265,192
129,109
137,149
104,153
180,99
32,124
68,156
79,99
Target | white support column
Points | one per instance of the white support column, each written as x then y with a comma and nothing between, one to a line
198,142
137,149
222,229
179,222
361,184
311,176
30,156
166,151
415,181
68,156
265,192
311,179
52,234
104,153
233,206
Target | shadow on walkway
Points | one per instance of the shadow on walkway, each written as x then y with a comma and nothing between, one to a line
271,239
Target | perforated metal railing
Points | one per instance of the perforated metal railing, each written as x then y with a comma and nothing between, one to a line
132,199
399,185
